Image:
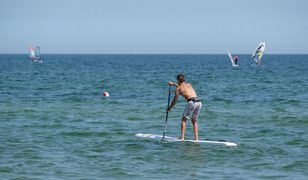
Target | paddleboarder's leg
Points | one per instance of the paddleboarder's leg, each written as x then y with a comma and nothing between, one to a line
194,119
183,127
195,126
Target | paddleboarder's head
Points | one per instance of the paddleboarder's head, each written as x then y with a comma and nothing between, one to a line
180,78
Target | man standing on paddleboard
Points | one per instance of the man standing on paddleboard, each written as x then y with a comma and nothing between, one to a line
193,104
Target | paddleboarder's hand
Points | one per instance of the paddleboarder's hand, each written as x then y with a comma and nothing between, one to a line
168,110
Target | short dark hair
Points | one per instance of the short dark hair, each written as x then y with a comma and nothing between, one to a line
180,78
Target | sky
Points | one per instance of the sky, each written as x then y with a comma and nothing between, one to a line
154,26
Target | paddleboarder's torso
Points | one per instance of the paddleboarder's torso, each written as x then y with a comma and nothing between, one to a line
186,90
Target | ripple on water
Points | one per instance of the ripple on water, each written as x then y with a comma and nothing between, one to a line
55,123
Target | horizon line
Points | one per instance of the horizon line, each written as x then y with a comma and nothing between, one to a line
151,53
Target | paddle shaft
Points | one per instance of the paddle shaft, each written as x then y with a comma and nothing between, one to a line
167,113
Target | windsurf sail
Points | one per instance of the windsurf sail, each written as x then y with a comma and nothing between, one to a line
232,59
258,53
35,54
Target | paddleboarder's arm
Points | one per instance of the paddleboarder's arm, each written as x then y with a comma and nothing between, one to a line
176,97
173,84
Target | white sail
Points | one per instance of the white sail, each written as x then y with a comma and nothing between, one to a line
231,59
38,53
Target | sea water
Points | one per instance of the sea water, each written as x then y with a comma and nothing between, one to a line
55,123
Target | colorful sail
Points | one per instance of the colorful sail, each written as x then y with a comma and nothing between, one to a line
31,52
258,53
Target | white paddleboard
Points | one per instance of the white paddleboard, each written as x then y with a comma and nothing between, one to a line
173,139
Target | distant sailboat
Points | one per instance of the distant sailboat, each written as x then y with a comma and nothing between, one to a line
35,54
258,53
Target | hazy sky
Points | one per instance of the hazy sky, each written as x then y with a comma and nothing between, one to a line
153,26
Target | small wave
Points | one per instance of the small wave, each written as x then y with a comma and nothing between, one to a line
6,169
221,99
134,118
85,134
279,109
297,165
296,142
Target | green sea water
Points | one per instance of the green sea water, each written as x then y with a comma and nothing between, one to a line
55,123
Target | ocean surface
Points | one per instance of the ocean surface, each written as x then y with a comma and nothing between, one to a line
55,123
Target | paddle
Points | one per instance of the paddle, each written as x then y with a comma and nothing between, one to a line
166,114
